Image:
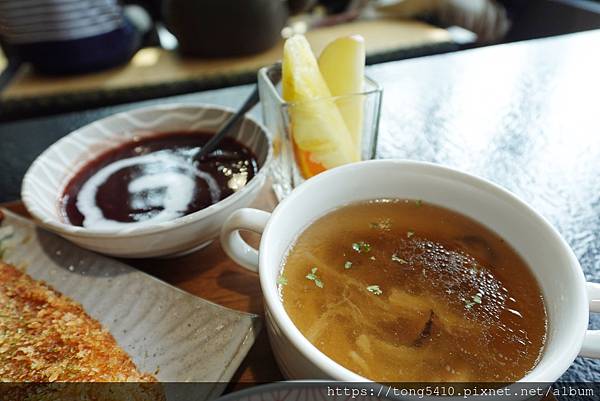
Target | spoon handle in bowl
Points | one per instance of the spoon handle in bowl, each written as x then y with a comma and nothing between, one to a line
222,133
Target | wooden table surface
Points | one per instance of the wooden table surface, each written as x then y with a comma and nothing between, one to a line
152,66
155,71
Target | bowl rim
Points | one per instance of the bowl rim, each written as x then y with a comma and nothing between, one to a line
68,229
335,370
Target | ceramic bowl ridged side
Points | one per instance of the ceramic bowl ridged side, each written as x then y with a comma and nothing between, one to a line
45,180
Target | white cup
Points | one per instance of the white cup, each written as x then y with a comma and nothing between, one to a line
567,296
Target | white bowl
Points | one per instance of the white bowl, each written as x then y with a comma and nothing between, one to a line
568,297
47,177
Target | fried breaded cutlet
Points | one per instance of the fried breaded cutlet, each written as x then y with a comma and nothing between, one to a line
47,337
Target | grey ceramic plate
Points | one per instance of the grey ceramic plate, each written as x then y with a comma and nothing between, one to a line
165,330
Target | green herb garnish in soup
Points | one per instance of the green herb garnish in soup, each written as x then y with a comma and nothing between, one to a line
374,289
312,276
361,247
281,280
453,303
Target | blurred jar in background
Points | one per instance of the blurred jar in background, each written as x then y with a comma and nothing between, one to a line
224,28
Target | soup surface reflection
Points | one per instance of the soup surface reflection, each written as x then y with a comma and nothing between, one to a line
401,290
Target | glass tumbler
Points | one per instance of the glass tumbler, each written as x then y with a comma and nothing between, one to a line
298,152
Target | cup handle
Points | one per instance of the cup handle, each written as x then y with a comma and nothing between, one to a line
243,219
591,342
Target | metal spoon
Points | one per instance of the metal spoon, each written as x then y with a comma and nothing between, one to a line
251,101
222,133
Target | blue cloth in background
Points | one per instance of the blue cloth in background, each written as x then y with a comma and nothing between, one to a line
83,55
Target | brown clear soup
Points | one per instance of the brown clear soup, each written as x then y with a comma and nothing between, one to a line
402,290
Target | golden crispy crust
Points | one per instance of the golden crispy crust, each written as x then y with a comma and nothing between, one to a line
47,337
